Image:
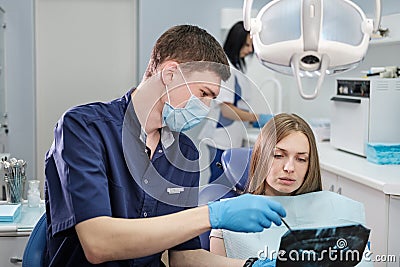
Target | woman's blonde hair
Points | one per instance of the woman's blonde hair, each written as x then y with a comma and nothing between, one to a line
273,132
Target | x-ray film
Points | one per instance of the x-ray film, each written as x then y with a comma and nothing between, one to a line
328,247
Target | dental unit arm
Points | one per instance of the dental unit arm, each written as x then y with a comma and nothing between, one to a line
310,38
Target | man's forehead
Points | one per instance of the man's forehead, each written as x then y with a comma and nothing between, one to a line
206,76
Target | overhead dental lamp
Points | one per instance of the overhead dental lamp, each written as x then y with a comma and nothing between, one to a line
310,38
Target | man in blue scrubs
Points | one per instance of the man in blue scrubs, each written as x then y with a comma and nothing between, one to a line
122,179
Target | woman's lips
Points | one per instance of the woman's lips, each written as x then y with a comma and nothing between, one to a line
287,181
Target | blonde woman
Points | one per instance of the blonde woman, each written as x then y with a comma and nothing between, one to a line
284,163
285,159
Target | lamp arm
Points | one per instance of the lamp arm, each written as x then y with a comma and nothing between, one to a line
378,15
247,4
279,94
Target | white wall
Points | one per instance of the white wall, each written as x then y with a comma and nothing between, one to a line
19,71
156,16
85,52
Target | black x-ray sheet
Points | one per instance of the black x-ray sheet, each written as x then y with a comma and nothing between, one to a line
327,247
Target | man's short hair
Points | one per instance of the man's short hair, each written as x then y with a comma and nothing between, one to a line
188,43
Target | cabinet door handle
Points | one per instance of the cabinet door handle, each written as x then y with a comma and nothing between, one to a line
339,191
347,100
15,260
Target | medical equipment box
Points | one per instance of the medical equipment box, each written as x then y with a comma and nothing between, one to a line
8,212
365,110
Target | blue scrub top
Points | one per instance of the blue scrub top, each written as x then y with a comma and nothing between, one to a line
98,166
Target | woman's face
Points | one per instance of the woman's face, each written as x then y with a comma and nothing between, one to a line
247,48
289,165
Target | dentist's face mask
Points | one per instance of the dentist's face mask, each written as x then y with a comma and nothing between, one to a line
183,119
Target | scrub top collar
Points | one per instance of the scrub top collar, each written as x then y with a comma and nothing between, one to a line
167,138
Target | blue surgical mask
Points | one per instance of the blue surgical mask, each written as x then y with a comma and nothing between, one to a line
183,119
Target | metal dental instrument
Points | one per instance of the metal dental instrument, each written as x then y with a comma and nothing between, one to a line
287,225
290,229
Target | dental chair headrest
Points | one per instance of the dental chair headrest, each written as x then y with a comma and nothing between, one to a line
236,162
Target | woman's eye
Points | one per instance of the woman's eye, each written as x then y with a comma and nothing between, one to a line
302,159
278,156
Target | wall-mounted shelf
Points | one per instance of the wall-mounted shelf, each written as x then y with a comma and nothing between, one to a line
385,41
391,22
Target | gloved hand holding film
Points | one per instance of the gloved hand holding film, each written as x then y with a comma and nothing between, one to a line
264,263
246,213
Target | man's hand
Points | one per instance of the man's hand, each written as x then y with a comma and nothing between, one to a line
246,213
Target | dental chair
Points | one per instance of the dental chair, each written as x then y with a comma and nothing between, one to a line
35,249
235,163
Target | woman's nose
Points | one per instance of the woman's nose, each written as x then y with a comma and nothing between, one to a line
248,50
289,166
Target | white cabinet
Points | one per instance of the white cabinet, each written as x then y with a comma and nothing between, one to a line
329,181
12,250
377,187
376,205
379,214
394,230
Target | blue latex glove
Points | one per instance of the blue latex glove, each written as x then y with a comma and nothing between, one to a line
246,213
264,263
262,120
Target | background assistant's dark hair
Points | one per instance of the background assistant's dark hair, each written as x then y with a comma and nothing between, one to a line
234,41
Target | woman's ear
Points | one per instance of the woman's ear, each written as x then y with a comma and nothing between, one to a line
167,72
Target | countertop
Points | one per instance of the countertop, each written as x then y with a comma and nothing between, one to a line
24,223
381,177
385,178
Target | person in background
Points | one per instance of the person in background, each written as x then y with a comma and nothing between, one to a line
226,125
284,162
122,179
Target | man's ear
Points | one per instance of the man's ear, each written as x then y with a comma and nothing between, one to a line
168,71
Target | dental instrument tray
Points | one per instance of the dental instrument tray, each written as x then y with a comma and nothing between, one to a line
9,212
328,246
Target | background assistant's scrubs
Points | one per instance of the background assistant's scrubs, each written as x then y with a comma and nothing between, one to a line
88,175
